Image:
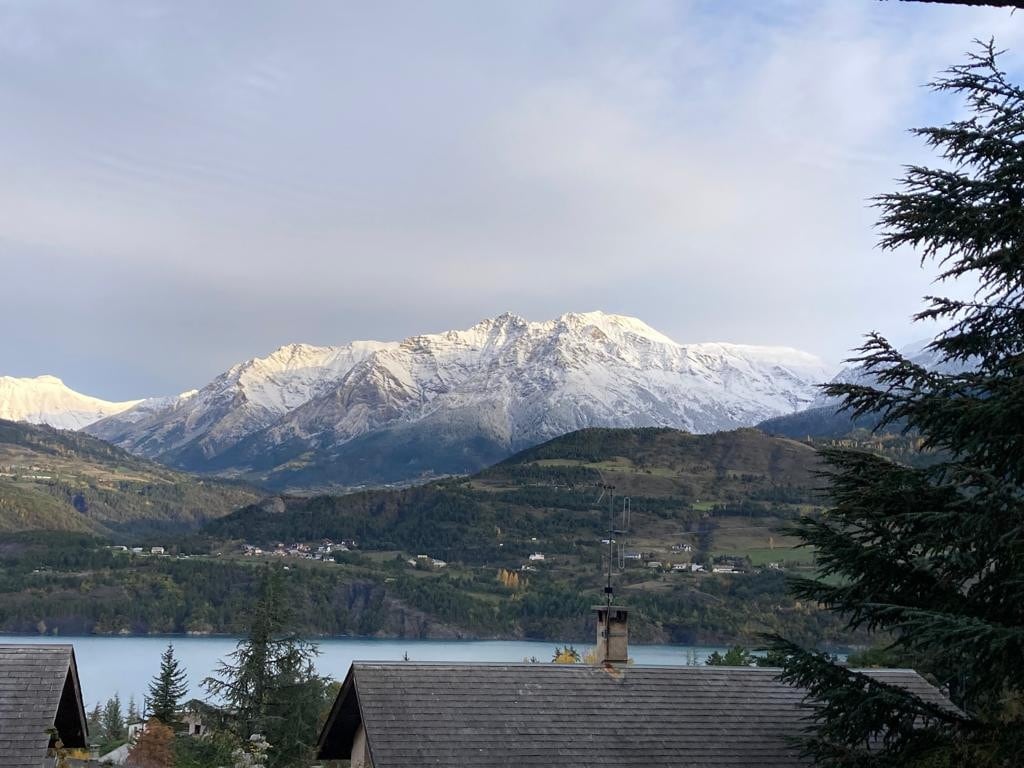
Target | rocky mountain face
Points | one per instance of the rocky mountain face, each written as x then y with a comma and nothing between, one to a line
378,412
48,400
195,426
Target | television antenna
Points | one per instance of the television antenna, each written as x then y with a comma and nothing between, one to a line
616,536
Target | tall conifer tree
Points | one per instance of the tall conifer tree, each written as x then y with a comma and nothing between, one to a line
113,719
269,683
934,558
168,688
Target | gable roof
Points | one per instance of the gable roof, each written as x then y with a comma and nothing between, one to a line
485,715
39,690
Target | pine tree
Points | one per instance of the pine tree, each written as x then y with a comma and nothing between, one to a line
168,688
933,558
94,722
132,715
113,719
737,656
270,684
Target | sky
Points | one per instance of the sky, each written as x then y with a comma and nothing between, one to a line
184,185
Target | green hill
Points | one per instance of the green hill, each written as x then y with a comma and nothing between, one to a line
57,480
676,482
694,500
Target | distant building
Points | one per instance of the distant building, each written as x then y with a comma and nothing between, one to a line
156,551
723,568
654,564
680,566
537,556
198,718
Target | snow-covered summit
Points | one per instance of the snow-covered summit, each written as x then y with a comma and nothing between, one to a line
505,382
48,400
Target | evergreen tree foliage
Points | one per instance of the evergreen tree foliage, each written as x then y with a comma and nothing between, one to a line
216,748
933,558
269,683
737,656
94,722
113,720
167,689
132,715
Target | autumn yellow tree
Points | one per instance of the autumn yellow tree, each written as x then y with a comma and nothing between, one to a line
511,579
154,748
566,655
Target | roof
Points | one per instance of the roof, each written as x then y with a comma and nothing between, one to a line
484,715
39,690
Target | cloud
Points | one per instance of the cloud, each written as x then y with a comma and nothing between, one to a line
223,178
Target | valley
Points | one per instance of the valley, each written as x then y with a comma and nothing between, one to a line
703,560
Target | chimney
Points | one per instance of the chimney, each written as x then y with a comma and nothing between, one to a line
612,634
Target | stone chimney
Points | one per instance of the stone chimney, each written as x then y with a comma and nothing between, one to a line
612,634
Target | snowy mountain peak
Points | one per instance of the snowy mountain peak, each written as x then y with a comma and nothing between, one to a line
618,327
463,396
48,400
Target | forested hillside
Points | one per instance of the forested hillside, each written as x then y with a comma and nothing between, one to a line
677,484
514,551
58,480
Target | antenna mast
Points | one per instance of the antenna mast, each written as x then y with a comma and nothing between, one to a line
614,532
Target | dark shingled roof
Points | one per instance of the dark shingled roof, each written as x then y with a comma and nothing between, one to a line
38,690
477,715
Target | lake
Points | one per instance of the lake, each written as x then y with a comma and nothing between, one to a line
125,665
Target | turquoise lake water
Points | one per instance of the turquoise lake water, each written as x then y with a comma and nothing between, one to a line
125,665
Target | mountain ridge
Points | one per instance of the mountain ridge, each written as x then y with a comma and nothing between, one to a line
449,403
48,400
372,412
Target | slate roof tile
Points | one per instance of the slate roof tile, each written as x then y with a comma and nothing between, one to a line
576,716
32,680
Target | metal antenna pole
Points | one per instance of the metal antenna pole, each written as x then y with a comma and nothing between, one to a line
608,590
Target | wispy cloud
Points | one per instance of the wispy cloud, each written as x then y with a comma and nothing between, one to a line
215,179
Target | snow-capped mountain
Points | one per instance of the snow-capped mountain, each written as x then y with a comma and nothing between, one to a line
242,400
48,400
451,402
